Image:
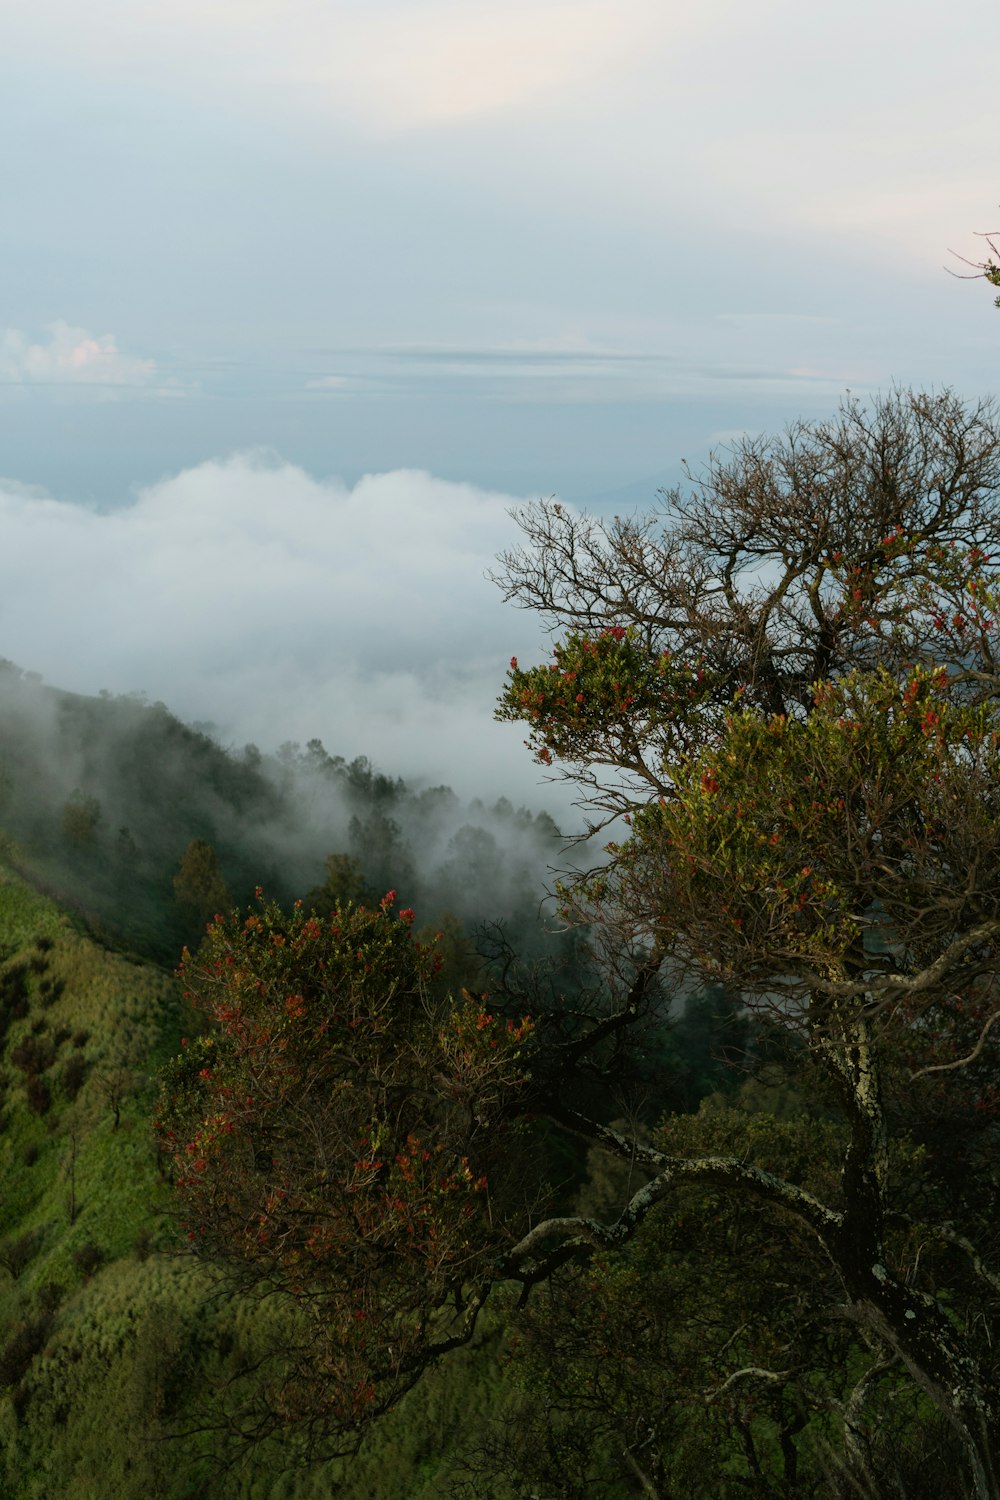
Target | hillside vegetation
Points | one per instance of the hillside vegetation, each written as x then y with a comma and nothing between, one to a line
116,1345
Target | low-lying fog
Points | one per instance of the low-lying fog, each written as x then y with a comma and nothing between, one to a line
274,605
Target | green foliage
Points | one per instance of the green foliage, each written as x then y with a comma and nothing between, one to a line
629,1367
603,690
856,819
81,815
199,887
709,1048
344,883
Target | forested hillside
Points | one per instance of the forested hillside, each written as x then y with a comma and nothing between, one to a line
116,1347
104,797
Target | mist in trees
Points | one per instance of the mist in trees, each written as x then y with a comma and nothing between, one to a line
150,826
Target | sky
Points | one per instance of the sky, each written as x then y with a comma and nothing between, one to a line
299,297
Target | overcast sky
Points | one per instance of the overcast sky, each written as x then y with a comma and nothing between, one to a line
480,250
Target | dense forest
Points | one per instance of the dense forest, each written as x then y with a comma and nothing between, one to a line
414,1180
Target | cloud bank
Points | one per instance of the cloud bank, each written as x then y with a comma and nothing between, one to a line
70,356
279,606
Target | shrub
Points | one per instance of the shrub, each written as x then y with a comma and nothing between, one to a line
32,1056
13,993
39,1098
73,1073
27,1340
49,1296
20,1400
15,1254
88,1258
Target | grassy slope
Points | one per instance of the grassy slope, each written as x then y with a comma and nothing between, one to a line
77,1285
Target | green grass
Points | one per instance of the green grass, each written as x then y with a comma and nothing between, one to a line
25,914
79,1196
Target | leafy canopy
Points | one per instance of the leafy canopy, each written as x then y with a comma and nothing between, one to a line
333,1137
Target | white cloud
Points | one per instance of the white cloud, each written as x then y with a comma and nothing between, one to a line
385,65
70,356
280,606
441,62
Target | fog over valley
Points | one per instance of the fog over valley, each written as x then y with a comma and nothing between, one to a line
270,605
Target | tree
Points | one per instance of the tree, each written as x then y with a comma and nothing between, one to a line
787,682
345,882
987,269
339,1144
199,887
116,1086
626,1359
81,814
782,689
378,847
